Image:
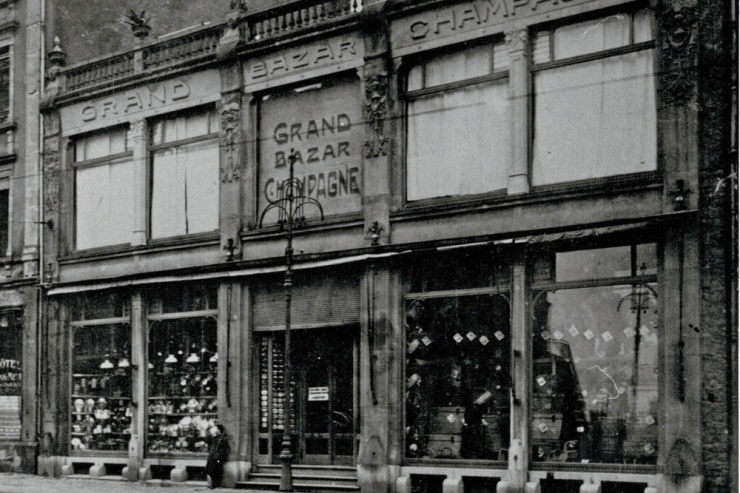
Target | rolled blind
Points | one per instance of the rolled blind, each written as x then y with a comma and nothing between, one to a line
317,301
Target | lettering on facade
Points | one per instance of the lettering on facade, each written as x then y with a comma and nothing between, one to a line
471,16
325,133
297,59
136,100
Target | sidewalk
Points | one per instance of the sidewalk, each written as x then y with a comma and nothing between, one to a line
22,483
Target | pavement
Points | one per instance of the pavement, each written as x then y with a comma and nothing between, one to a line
25,483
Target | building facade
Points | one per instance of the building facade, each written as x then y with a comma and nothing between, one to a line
520,277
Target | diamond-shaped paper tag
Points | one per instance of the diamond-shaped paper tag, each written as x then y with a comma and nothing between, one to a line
541,381
545,335
498,367
471,336
629,332
413,346
576,360
649,419
558,335
644,331
573,331
648,448
621,390
484,422
607,336
542,427
451,418
458,338
483,340
588,334
426,340
499,335
580,429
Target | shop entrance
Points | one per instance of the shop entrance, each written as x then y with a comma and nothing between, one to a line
323,391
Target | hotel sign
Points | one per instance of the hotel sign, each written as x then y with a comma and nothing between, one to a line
322,124
470,17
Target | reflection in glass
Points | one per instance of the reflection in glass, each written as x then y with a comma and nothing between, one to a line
595,389
458,380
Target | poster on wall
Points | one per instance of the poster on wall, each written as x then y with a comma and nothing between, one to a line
10,377
322,124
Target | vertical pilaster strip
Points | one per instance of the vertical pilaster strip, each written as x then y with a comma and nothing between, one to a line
137,143
140,384
53,189
231,162
517,42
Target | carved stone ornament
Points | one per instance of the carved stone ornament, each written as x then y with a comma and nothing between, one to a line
516,40
51,174
231,167
678,50
376,109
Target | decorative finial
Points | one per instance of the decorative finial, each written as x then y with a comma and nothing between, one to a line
239,5
57,58
139,24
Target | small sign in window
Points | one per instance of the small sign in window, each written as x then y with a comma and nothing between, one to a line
318,394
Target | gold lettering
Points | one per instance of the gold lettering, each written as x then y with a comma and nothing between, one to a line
517,3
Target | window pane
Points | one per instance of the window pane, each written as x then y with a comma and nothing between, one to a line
592,36
185,190
184,126
104,207
595,119
183,298
457,378
97,146
4,220
458,142
462,65
183,388
464,269
101,396
595,387
593,264
415,78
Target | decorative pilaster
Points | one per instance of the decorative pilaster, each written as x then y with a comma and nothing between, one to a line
230,174
679,24
376,112
517,42
137,142
51,192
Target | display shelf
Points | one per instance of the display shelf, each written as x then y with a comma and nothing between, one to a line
173,397
98,396
214,413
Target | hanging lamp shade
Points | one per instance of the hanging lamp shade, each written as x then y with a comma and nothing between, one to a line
106,365
214,358
193,358
170,359
124,363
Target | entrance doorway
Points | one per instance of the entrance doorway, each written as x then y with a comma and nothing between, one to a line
323,392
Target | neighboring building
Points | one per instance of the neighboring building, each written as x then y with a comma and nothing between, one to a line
523,279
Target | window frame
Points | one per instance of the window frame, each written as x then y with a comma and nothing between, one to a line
111,159
406,97
151,149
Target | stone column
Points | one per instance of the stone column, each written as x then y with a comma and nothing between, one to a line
517,41
137,143
140,384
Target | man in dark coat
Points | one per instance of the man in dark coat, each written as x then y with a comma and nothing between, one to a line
217,456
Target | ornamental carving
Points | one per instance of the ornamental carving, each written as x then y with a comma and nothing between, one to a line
679,54
51,174
231,167
517,40
376,109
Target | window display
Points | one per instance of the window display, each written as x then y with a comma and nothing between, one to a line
11,349
183,371
458,377
595,351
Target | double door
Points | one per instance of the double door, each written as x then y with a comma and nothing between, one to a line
323,392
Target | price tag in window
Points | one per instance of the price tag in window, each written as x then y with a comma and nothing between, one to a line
542,427
629,332
426,340
413,346
471,336
580,429
588,334
558,335
545,335
499,335
451,418
573,331
649,419
644,331
483,340
458,338
648,448
541,381
607,336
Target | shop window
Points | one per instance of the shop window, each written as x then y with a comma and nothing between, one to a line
594,99
101,407
185,164
183,371
104,181
11,350
595,358
458,134
457,377
464,268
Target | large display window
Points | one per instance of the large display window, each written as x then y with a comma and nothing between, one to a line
458,343
11,350
595,356
183,370
101,411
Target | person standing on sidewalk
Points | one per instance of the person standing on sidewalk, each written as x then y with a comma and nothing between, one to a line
217,456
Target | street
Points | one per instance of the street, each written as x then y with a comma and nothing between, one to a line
22,483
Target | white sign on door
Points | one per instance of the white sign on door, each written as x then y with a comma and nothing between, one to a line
318,394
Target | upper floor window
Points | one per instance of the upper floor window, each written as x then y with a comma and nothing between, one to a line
4,215
594,99
185,167
4,84
457,123
104,179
